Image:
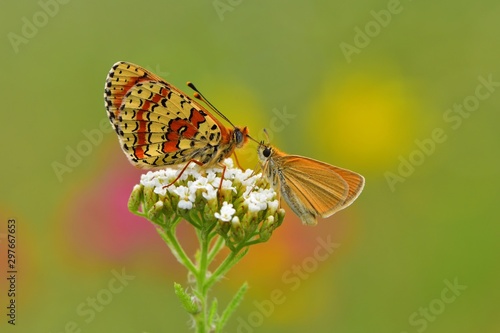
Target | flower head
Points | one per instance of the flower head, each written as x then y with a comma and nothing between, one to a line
239,206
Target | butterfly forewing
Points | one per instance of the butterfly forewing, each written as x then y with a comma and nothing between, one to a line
320,189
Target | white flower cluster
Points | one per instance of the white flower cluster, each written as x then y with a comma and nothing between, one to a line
198,182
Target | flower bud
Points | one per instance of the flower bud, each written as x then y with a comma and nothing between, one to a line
150,197
135,198
155,211
237,231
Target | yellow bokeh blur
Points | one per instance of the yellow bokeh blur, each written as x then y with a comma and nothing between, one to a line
365,118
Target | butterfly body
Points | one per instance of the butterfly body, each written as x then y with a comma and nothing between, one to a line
158,125
310,188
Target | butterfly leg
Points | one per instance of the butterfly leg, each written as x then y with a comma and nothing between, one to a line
219,192
237,162
182,171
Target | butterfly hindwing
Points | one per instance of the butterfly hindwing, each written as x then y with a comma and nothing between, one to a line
156,123
354,181
121,78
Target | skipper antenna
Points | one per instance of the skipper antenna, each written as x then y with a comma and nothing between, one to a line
267,136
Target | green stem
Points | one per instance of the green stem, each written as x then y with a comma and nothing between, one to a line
169,237
215,249
226,265
201,288
253,242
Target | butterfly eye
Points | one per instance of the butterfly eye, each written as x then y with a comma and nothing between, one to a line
267,152
238,137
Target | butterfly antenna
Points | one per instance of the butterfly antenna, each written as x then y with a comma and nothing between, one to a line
267,136
248,136
200,96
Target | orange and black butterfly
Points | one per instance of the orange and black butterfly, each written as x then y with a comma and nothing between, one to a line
158,125
310,188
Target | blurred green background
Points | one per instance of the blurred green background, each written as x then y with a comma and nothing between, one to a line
397,91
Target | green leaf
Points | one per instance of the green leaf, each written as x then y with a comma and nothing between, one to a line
231,307
186,300
212,316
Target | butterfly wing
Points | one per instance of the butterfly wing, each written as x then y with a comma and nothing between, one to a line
157,124
314,188
354,181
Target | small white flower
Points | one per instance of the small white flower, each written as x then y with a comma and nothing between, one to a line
248,178
159,179
257,201
273,205
191,170
211,178
210,193
148,179
233,173
227,185
229,163
183,204
226,212
186,197
160,190
201,182
169,174
267,194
